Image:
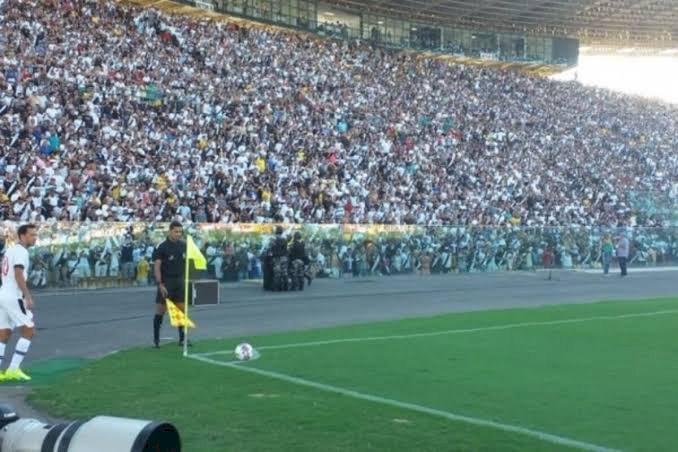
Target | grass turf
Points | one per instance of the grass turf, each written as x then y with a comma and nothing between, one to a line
608,382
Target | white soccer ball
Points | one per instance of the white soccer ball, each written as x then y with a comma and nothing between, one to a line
244,352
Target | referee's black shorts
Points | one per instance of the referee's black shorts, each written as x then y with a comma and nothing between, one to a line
175,291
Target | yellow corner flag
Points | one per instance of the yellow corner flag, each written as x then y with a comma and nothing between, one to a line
181,318
178,318
194,254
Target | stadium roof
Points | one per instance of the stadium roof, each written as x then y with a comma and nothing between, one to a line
609,22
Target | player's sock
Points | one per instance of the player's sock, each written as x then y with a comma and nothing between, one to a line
20,351
2,352
157,321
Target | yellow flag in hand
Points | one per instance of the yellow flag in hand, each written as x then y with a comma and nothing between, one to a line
178,318
194,254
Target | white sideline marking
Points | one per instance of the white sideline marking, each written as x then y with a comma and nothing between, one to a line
111,353
458,331
554,439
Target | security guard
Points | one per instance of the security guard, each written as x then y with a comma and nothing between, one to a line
169,261
279,245
276,249
298,251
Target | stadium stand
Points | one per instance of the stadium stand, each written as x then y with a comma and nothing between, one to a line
110,112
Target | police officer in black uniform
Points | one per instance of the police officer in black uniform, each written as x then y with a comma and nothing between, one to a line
267,267
277,249
169,261
279,246
298,251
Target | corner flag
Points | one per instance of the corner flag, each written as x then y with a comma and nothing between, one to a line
178,318
192,254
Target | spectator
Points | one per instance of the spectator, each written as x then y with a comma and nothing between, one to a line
127,260
622,252
142,271
607,250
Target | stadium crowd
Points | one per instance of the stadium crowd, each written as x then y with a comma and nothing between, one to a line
113,113
96,254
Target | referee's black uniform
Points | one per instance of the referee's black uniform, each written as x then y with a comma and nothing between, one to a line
172,257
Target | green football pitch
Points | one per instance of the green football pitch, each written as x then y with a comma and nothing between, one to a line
599,376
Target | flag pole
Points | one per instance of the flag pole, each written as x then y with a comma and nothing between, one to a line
186,280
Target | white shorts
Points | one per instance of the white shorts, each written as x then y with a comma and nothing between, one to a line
14,314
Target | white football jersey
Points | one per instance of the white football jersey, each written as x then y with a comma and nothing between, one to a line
15,256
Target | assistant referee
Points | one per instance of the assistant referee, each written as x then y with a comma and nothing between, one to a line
169,267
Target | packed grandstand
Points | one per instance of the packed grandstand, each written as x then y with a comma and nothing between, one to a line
109,112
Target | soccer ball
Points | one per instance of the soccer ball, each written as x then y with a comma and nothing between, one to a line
244,352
